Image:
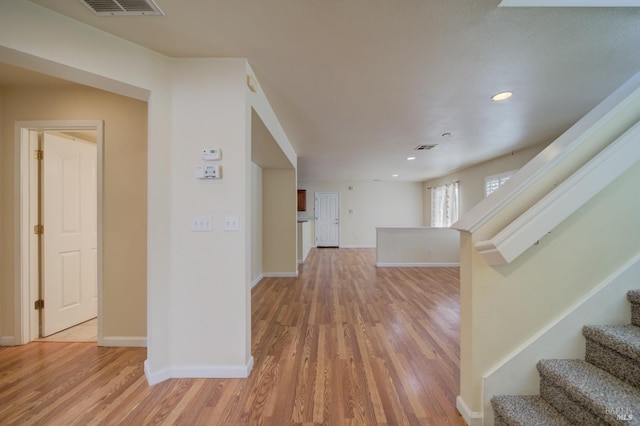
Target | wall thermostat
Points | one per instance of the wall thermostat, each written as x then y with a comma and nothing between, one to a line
208,172
209,154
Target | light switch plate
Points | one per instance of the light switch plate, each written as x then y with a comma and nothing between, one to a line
201,224
231,223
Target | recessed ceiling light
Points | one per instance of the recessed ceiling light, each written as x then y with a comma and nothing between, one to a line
394,175
501,96
411,158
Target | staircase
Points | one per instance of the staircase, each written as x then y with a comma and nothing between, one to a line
604,389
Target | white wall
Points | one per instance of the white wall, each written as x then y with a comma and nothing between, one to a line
209,99
368,205
472,179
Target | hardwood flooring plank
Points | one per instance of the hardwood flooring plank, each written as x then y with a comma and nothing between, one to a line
344,343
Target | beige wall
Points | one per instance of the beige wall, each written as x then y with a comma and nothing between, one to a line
279,225
472,179
125,208
508,304
364,206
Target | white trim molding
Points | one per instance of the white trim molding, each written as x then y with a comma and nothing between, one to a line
418,265
256,280
471,418
198,371
124,341
563,200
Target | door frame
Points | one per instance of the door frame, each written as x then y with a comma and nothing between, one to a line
25,316
315,211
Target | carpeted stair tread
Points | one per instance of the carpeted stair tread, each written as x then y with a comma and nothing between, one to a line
624,339
591,387
516,410
633,296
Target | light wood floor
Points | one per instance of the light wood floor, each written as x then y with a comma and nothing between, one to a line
346,343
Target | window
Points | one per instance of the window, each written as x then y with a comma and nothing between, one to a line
444,205
491,183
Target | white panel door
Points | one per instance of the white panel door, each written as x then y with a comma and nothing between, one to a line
70,232
327,219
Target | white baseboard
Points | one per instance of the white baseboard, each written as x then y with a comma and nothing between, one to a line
256,280
358,247
198,371
7,341
471,418
280,274
419,265
156,377
124,341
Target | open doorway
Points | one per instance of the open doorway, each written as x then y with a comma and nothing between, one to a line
60,226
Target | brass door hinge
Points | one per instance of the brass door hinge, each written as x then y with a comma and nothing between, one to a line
39,304
38,154
38,229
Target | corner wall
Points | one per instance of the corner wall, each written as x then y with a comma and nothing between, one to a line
210,283
193,103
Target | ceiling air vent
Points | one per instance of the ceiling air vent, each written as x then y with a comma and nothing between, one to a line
425,147
123,7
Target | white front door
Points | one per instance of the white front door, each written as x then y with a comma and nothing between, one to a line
327,219
69,204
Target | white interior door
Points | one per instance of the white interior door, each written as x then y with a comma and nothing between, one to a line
69,206
327,219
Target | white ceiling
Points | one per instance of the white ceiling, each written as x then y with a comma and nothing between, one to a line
357,84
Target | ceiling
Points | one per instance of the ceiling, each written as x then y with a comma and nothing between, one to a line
358,84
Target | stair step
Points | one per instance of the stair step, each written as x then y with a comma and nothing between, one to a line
587,394
615,349
622,338
634,297
522,410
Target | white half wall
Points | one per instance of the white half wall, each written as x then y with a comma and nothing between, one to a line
417,247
